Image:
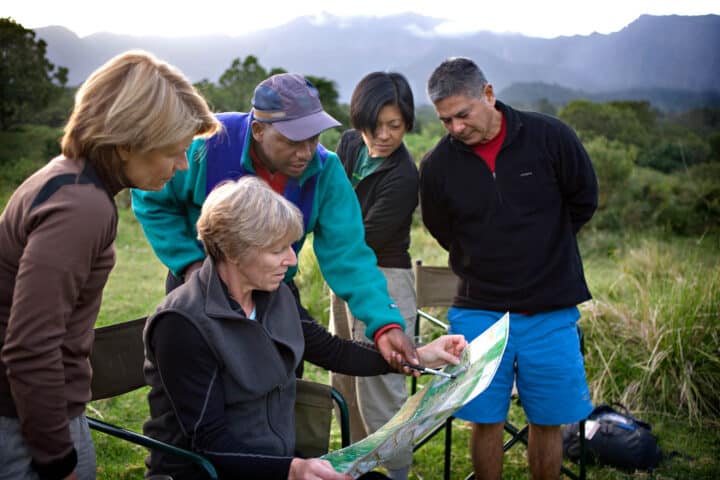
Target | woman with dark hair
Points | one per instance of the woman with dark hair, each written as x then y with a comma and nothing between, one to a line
385,180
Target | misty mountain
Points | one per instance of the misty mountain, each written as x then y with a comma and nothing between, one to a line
653,53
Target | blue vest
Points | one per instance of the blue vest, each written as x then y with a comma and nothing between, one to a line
224,162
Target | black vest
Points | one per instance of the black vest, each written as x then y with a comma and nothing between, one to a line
257,361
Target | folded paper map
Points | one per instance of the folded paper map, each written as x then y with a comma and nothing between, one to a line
430,406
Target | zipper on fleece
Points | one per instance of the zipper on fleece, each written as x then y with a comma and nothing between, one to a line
497,189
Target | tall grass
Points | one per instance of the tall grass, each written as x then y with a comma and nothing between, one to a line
654,339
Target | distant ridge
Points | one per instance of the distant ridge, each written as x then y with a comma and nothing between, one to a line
528,94
652,53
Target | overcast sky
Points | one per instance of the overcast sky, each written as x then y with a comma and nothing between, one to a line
546,18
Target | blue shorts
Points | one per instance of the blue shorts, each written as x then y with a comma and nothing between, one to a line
542,357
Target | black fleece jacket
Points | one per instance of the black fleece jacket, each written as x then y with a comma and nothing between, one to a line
511,234
387,197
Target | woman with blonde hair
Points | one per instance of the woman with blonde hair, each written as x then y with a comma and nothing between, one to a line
222,349
132,121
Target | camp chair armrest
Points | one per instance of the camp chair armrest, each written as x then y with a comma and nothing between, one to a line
344,417
433,320
151,443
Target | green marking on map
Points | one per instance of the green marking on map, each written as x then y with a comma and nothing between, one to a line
431,405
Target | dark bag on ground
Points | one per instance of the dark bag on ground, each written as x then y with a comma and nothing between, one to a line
614,438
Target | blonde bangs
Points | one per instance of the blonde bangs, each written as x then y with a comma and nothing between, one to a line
138,102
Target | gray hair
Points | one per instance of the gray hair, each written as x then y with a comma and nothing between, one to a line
456,76
240,216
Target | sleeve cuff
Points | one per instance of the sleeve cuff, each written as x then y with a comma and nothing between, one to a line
380,331
58,469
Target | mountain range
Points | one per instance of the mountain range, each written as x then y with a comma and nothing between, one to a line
653,53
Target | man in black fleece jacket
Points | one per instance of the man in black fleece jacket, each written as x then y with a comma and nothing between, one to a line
506,192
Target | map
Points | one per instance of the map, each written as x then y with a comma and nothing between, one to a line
431,405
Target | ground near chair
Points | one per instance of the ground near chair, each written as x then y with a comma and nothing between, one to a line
436,286
117,362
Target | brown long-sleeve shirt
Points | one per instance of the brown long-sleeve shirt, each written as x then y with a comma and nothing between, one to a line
57,237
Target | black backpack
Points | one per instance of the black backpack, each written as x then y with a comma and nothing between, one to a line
613,438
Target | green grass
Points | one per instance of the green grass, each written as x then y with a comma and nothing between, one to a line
137,284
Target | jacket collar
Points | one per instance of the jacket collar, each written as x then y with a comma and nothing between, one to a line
217,301
355,143
217,304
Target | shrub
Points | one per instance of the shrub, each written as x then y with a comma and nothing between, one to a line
704,180
23,150
613,163
686,202
613,122
418,145
330,138
670,155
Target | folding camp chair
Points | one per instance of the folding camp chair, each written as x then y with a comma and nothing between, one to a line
435,287
117,361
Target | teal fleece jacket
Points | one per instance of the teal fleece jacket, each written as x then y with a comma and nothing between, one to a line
349,266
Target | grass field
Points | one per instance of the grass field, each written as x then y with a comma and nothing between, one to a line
652,335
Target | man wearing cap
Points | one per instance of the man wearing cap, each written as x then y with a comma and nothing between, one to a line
506,193
278,142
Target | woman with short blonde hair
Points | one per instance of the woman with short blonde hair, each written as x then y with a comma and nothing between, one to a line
246,214
222,349
132,121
